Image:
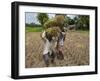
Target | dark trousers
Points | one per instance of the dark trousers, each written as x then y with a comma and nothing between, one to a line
47,57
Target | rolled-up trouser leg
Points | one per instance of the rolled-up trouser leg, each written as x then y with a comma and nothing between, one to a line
46,59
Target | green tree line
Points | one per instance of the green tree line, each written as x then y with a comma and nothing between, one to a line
80,21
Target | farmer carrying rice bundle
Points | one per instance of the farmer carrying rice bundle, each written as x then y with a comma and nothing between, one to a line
53,37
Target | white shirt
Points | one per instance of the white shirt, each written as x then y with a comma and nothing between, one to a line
48,46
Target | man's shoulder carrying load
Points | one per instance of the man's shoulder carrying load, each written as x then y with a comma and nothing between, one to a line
50,32
53,27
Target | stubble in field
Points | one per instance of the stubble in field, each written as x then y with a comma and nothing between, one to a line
76,50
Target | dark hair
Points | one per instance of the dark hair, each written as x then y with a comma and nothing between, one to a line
48,36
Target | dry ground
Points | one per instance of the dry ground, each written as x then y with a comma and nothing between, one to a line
76,50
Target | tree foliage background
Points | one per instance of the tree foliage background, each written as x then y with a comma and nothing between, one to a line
42,17
79,21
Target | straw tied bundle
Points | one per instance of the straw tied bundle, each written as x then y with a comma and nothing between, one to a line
54,26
